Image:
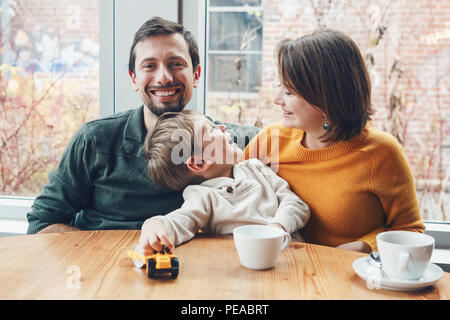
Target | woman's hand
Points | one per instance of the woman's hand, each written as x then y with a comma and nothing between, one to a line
359,246
153,236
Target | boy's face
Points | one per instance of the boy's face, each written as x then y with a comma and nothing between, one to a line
218,147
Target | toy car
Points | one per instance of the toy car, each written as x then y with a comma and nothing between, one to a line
160,263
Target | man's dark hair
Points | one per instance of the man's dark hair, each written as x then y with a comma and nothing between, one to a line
158,26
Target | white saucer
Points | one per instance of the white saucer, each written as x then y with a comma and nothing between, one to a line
377,280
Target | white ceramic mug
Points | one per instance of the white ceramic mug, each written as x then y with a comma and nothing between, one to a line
259,246
405,254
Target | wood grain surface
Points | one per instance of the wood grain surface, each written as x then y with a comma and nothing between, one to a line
94,265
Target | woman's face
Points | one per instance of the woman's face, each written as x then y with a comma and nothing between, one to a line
297,112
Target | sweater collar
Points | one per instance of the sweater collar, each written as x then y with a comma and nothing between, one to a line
332,151
134,132
220,182
135,126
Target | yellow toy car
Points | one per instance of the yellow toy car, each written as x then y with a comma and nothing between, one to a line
157,264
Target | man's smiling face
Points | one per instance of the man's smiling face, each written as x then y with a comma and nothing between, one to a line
164,76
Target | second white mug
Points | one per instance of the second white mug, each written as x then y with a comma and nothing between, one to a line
405,254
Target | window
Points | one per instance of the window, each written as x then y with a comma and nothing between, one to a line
234,50
48,86
408,64
49,80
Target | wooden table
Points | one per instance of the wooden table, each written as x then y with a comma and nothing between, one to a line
49,266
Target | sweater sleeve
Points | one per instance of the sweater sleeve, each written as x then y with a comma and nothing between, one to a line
393,183
182,224
70,185
292,213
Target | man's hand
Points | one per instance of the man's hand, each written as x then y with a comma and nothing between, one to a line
153,236
359,246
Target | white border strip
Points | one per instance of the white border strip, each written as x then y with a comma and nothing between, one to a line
15,208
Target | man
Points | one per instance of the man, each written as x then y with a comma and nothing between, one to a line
101,181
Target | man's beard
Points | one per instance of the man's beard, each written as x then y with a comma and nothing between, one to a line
158,110
161,107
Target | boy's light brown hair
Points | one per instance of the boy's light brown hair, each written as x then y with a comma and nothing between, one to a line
327,69
167,170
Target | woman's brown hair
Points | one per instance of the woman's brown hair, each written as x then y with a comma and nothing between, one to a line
327,69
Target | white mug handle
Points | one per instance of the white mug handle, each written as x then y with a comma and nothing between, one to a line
403,260
287,241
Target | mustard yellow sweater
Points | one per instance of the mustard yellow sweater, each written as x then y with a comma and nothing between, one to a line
355,189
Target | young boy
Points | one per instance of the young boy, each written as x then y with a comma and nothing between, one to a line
188,152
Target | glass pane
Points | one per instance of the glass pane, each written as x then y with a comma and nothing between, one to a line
234,3
408,65
234,73
49,80
235,31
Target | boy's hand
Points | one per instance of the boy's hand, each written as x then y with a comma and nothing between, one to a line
153,236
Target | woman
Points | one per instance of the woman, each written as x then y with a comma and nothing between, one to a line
355,179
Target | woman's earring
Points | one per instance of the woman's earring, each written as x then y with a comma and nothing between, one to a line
326,126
